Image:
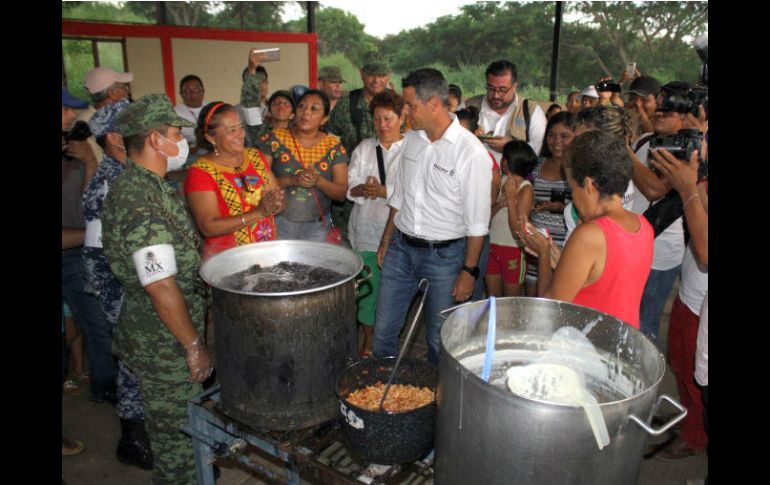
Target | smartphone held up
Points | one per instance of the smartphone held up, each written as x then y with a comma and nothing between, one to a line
268,55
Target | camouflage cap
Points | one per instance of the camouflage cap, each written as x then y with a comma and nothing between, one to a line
375,63
330,73
148,112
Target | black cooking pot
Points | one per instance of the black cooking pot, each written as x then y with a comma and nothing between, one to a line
384,437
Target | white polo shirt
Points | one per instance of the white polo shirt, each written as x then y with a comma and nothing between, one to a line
443,188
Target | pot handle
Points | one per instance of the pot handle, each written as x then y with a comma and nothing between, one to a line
369,274
444,314
664,428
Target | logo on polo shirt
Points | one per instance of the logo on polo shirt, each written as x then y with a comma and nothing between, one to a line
443,170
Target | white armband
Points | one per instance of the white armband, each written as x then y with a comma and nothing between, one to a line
155,263
253,116
93,234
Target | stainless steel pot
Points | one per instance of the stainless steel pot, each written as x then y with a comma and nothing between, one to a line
279,355
486,434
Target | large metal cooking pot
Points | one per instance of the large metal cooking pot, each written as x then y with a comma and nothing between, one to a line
279,354
486,434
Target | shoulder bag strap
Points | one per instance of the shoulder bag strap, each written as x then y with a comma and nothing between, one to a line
380,164
526,119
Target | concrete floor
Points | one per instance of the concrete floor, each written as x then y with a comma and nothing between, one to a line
98,427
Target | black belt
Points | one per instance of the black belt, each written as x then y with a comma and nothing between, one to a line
424,243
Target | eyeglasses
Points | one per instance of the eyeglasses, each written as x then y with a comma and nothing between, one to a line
192,91
500,91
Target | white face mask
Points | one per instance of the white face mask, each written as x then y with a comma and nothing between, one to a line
176,162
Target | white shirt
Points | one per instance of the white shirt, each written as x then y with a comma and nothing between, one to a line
369,217
669,245
442,188
190,114
489,120
695,281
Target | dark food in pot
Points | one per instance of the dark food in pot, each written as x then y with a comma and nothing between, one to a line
282,277
401,398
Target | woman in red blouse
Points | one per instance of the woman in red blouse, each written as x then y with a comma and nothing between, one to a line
232,193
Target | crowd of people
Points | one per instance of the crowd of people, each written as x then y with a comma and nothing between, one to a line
485,196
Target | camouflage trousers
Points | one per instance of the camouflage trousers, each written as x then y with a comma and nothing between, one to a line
129,396
166,392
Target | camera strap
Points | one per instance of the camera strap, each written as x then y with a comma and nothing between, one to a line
664,212
641,141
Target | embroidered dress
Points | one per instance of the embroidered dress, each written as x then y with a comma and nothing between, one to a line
239,190
301,205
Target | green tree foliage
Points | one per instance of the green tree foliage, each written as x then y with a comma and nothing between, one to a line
106,11
612,33
339,31
652,34
250,15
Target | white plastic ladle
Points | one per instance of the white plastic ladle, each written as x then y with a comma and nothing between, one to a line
561,384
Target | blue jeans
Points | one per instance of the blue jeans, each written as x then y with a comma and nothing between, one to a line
91,321
403,268
654,298
314,230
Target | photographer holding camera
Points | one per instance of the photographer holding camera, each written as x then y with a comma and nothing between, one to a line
676,104
687,312
609,92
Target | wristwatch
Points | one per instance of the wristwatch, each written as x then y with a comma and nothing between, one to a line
472,270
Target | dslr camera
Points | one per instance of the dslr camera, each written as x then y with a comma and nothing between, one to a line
608,85
683,98
79,132
680,145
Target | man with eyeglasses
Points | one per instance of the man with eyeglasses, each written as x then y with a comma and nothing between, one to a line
503,115
191,89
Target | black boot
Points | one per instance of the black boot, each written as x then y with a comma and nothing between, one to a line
134,445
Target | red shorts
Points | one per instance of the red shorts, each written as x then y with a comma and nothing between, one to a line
508,261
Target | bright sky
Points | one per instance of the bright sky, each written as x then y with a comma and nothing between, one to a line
381,18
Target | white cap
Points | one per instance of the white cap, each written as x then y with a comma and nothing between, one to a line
589,91
100,78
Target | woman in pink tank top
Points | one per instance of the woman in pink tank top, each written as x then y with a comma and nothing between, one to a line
606,261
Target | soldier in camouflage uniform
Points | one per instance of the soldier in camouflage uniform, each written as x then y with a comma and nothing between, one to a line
352,121
251,107
134,445
154,251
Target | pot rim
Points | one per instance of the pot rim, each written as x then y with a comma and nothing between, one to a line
500,392
505,393
232,252
388,413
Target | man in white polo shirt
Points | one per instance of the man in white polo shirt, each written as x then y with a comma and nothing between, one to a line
439,215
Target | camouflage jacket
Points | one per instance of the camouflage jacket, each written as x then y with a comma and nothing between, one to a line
341,124
141,210
251,98
99,278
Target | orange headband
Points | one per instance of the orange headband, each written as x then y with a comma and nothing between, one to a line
208,117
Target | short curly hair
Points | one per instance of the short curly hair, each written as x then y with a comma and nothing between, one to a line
603,157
